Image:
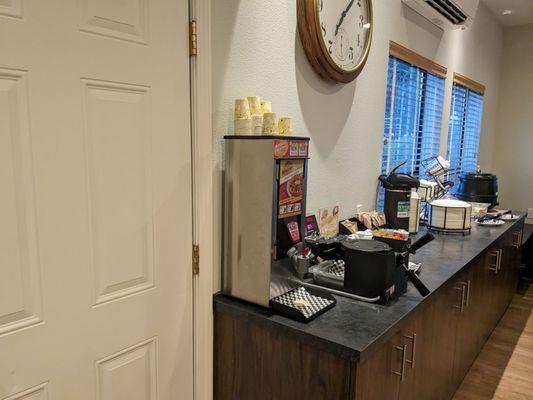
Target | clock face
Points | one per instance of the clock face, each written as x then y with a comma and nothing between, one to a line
345,30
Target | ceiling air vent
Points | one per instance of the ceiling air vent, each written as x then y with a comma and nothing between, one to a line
449,11
446,14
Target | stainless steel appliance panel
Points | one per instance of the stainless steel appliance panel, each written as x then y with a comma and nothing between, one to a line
249,194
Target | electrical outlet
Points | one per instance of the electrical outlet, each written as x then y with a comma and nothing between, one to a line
530,213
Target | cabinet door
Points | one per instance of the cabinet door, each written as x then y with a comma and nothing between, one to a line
467,342
494,287
431,339
516,259
511,262
501,289
254,362
416,341
507,251
378,378
486,280
437,370
477,313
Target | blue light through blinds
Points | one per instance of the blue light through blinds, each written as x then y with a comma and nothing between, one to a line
413,114
464,129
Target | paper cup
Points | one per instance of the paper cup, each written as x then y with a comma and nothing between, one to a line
242,109
266,106
254,102
257,124
243,126
285,126
270,124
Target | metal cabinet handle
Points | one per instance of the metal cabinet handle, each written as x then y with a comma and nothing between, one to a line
401,374
412,337
518,235
496,266
462,289
468,284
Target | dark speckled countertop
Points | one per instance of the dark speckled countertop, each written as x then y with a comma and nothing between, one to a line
353,329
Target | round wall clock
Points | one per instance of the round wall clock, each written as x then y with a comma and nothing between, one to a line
336,36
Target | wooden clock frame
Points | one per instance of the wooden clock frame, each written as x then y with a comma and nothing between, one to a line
316,51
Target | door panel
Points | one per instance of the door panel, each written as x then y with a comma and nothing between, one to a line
118,153
112,19
95,171
20,278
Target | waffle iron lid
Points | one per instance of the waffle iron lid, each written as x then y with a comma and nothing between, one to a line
366,246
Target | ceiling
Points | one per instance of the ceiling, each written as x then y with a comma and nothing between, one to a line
521,11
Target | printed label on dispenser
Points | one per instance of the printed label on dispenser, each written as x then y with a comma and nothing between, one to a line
293,152
284,148
291,181
302,149
403,209
281,148
294,231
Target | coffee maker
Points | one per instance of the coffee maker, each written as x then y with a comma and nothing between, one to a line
265,197
398,187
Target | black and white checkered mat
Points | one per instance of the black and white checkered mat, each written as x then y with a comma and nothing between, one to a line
337,268
308,304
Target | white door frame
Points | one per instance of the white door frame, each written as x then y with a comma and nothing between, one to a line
203,200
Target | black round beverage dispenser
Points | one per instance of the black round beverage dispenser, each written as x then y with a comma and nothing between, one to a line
398,188
478,187
370,267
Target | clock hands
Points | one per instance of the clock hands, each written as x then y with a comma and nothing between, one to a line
343,15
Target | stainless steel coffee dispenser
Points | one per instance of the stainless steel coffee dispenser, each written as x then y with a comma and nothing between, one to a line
265,192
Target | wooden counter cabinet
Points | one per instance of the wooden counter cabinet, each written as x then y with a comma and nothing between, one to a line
425,358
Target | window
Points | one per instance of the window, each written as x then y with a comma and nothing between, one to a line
465,126
413,112
413,115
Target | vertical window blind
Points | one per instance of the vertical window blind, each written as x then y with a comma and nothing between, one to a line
413,114
464,130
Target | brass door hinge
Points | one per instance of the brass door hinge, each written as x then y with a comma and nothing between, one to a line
195,259
193,39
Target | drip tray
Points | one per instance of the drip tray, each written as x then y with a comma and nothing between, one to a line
303,304
329,274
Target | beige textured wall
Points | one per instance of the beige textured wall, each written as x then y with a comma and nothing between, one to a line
256,51
513,153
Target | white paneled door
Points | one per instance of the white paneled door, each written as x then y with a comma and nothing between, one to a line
95,200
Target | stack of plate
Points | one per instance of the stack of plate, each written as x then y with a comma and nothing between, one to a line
449,215
414,213
427,190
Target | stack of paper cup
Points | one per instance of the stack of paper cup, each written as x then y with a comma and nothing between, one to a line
254,102
285,126
243,121
266,106
270,124
243,126
257,124
242,109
